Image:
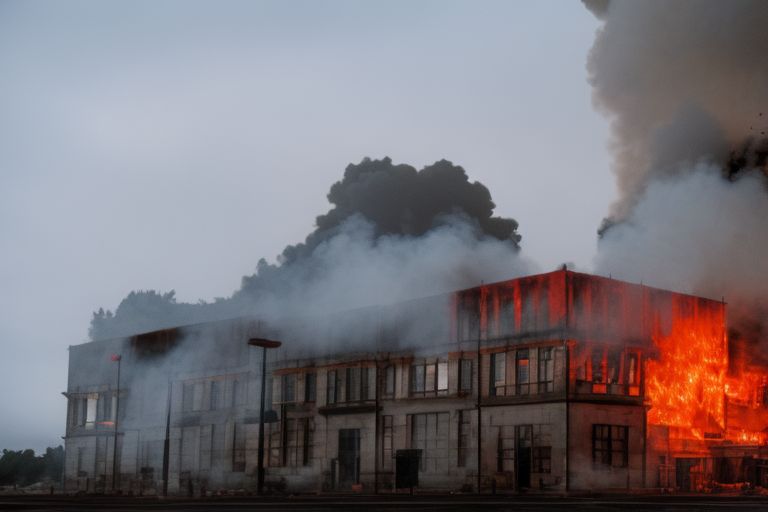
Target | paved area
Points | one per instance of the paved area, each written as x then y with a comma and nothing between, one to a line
389,503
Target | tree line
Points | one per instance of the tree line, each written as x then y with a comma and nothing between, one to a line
23,467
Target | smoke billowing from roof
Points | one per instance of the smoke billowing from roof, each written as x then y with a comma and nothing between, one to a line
682,82
685,85
393,233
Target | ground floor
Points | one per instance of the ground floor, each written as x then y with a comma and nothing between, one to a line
433,445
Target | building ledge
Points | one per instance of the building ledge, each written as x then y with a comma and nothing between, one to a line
347,409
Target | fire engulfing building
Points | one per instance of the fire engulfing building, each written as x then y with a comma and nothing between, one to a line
555,382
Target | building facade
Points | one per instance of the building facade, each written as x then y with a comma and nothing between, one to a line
549,383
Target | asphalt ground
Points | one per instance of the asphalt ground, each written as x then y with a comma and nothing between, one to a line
388,503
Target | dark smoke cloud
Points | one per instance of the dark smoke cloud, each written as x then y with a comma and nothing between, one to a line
682,82
393,233
685,86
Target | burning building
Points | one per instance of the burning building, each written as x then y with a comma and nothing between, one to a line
555,382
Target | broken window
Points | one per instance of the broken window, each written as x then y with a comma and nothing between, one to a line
546,370
610,445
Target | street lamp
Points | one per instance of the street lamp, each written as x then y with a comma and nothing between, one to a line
116,358
264,344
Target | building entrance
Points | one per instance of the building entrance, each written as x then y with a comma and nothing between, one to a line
349,457
523,469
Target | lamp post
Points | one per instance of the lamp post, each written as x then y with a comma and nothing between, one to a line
264,344
116,358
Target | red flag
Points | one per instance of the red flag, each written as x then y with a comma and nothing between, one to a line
115,357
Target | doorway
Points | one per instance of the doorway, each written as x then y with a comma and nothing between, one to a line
349,457
524,442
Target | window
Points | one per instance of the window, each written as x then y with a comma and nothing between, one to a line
291,443
522,372
498,373
490,317
505,453
297,441
275,443
632,370
468,317
308,451
350,385
310,386
429,433
507,313
464,436
387,445
546,370
81,470
238,448
613,365
237,393
633,380
357,385
389,381
104,412
609,446
217,395
429,379
354,382
288,388
331,388
90,412
542,459
465,375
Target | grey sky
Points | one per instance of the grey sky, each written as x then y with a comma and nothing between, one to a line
170,145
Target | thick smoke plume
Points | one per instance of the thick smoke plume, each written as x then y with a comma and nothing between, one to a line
393,233
682,81
685,85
